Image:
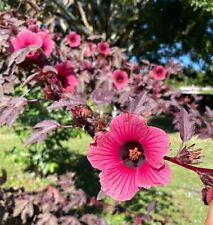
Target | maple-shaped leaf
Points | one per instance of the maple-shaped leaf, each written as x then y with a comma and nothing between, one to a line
41,130
78,198
101,96
187,125
47,219
10,109
209,112
24,208
173,68
139,105
118,56
68,100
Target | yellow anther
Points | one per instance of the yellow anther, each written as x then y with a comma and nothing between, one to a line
134,154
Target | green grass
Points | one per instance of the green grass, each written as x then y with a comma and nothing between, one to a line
185,186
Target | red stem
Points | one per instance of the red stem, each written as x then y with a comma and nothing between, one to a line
187,166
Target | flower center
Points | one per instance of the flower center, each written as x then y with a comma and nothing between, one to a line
119,79
132,154
159,71
72,39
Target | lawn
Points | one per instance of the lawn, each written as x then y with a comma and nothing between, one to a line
185,186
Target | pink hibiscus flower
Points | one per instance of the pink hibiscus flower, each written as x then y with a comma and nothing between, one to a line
120,78
26,38
158,73
130,156
66,76
90,49
73,39
103,48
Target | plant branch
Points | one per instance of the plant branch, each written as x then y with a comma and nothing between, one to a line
187,166
69,17
84,18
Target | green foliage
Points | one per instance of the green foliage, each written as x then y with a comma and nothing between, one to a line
4,5
49,156
206,5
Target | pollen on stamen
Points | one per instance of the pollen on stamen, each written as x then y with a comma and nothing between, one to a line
134,154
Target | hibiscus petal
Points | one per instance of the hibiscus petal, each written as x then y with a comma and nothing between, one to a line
48,43
119,182
104,153
129,127
69,83
26,38
156,146
148,176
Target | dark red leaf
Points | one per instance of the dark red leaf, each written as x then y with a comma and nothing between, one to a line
139,105
24,208
207,195
209,112
187,125
68,100
151,207
10,109
42,75
42,129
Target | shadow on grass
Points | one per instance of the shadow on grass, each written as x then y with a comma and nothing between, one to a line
164,122
86,177
70,161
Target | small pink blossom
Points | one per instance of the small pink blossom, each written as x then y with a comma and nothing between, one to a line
158,73
103,48
26,38
73,39
90,49
66,76
120,78
130,156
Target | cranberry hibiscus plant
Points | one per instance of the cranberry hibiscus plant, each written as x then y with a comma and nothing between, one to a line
81,76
